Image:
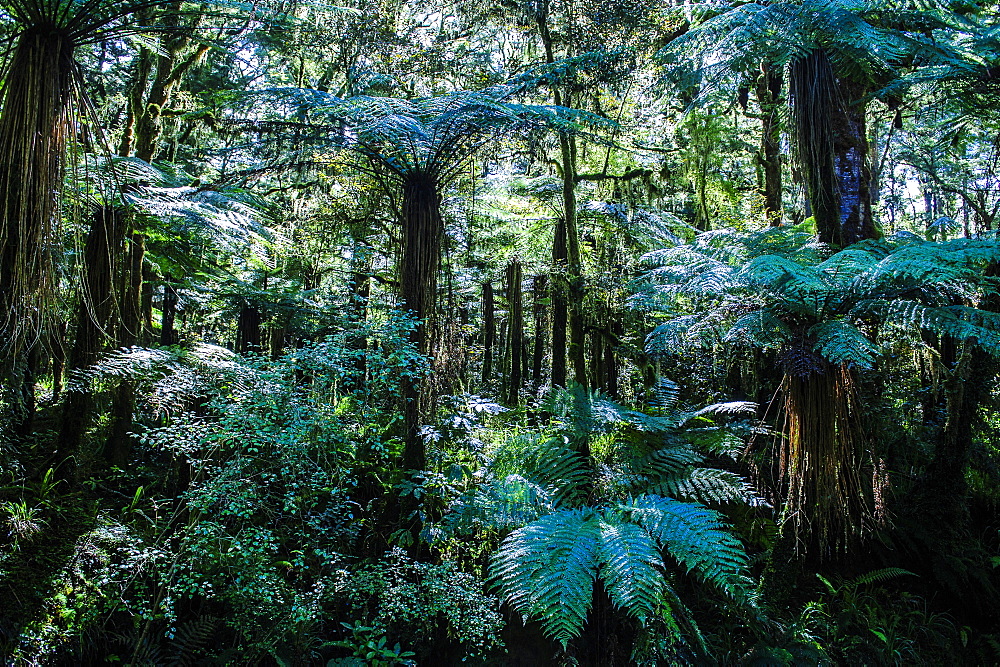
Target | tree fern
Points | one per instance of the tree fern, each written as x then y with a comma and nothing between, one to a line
631,568
843,343
546,569
696,538
823,314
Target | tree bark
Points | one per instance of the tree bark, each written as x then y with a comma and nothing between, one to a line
515,331
574,270
833,151
97,302
560,310
167,334
768,92
118,446
422,231
489,331
539,290
34,128
248,330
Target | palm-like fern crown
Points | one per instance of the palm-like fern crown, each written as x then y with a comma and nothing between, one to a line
433,136
79,21
650,478
776,293
866,41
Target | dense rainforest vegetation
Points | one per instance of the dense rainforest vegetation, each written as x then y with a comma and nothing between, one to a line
529,332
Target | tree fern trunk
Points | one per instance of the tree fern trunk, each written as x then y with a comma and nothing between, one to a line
515,331
34,131
560,311
422,231
828,495
832,145
97,301
489,331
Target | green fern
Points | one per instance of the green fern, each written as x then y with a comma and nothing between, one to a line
190,640
631,568
546,570
843,343
696,538
880,576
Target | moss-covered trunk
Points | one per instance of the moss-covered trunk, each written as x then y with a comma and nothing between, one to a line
833,151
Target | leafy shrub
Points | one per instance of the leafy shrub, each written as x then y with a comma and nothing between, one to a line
422,605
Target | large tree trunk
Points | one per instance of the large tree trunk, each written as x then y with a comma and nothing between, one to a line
34,130
248,330
97,302
146,304
489,331
539,290
118,446
574,266
597,359
560,310
515,331
768,92
832,145
823,453
422,231
570,238
167,334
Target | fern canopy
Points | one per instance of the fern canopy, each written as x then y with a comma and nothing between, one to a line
839,305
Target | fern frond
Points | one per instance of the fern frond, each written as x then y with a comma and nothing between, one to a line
630,567
761,329
695,537
509,503
840,342
546,570
709,485
549,463
880,576
189,642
